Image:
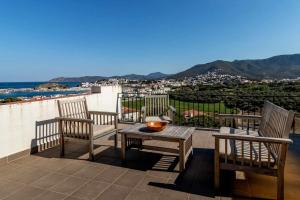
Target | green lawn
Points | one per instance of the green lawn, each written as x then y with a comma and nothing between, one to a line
134,104
205,107
183,106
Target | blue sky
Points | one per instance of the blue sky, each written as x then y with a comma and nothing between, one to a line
40,40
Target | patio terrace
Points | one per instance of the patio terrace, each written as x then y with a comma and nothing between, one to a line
145,175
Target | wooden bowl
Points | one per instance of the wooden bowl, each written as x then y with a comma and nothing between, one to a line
156,126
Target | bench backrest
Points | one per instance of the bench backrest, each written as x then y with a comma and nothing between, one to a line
76,108
276,122
156,105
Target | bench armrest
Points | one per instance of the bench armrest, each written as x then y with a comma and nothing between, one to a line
233,116
103,113
89,121
172,109
252,138
101,118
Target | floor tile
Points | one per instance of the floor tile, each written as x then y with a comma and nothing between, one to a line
7,171
129,179
144,195
110,174
72,198
71,168
28,175
26,193
157,173
201,197
173,194
90,190
28,160
114,192
69,185
51,164
88,172
9,187
147,184
49,180
49,195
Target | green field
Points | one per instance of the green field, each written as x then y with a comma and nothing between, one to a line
183,106
205,107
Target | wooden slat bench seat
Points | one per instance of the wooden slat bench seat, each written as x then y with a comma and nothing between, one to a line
263,151
241,149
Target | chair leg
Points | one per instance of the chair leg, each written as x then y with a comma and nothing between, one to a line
62,146
91,151
217,166
217,178
280,186
116,140
91,156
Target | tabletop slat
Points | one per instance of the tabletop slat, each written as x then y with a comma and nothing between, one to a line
180,132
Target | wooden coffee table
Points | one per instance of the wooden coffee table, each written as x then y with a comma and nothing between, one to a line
133,136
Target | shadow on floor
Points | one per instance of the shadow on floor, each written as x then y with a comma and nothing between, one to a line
198,178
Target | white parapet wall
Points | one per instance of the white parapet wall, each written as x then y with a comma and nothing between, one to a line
18,120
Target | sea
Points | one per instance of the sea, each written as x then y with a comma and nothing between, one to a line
18,89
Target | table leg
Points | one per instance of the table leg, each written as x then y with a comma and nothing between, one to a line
123,147
181,155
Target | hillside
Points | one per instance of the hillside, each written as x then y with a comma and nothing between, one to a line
151,76
78,79
277,67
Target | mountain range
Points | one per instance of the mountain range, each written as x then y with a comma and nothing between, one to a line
276,67
151,76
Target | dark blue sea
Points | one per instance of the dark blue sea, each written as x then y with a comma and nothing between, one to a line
20,85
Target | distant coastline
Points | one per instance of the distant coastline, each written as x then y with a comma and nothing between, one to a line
16,85
29,90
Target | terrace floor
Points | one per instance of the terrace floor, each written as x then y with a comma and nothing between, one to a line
146,175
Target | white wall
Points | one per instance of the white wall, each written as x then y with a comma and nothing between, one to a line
17,121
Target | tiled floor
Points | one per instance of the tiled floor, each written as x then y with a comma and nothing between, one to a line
145,175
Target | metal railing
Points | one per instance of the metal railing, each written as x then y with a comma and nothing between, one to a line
201,110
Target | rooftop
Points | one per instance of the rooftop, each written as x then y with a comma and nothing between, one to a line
145,175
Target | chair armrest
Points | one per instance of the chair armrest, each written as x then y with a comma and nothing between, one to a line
74,120
101,118
143,109
252,138
103,113
143,114
172,109
232,116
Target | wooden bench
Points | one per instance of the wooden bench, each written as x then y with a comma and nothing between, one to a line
263,151
158,105
75,121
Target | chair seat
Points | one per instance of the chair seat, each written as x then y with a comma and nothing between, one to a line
83,132
157,119
234,148
102,130
166,118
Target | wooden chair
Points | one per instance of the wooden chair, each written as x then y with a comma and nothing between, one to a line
263,151
75,121
158,105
